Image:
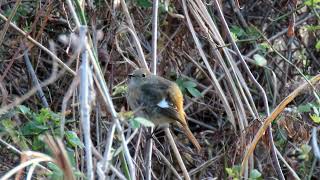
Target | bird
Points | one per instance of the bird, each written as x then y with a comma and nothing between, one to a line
158,100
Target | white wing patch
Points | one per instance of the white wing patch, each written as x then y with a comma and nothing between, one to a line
163,104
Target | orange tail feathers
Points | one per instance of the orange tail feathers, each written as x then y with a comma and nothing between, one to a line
191,137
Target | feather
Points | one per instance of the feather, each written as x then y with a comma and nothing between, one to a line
163,104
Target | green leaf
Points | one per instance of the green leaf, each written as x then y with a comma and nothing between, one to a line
281,138
24,110
163,8
304,108
194,92
234,172
143,121
8,124
318,45
9,128
305,148
252,32
255,174
312,28
79,174
315,118
144,3
189,84
73,139
33,128
37,144
22,11
234,36
43,116
56,173
71,156
304,151
134,124
260,60
264,47
312,3
120,90
237,31
230,172
179,82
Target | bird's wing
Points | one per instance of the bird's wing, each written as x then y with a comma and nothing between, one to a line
159,97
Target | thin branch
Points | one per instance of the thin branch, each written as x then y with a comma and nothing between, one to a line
167,162
35,80
154,35
142,60
66,97
299,22
148,158
53,77
108,146
31,170
294,174
213,77
316,150
205,164
6,26
53,56
9,146
85,112
177,154
74,14
263,93
107,99
274,115
39,158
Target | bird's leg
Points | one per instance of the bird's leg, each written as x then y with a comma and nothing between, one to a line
159,128
156,130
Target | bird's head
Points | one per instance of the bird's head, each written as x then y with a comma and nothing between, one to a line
138,76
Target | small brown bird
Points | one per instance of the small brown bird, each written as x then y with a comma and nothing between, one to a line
158,100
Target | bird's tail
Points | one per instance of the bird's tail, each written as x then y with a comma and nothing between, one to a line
191,137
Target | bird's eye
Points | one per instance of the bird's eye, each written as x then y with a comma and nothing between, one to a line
143,75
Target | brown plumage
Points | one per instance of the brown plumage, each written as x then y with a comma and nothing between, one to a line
160,100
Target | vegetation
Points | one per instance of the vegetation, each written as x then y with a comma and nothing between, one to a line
248,70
